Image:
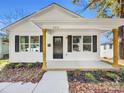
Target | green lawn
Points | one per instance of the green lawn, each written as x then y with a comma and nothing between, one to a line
3,63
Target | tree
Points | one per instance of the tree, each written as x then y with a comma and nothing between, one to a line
11,16
104,8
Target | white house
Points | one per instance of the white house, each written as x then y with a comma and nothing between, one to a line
57,34
106,50
4,46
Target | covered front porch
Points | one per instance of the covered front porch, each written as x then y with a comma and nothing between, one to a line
98,25
78,65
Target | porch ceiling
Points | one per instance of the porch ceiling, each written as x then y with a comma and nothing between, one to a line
103,24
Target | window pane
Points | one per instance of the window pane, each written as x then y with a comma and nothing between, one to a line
86,47
76,39
86,39
34,39
35,47
25,47
24,39
76,47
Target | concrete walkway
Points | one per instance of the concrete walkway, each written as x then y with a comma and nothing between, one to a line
52,82
16,87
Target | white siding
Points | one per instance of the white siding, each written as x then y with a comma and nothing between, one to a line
30,29
108,53
37,56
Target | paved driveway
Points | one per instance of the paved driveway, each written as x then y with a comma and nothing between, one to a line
52,82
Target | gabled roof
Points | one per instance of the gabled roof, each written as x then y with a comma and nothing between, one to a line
39,11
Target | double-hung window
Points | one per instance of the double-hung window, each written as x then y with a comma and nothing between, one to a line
24,43
76,43
34,44
87,43
28,43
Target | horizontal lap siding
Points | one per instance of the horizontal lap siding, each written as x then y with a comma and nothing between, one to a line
37,56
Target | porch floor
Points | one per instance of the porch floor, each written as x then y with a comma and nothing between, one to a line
78,65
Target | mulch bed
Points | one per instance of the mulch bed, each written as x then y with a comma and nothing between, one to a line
21,73
78,83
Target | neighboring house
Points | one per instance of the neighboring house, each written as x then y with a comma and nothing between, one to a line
57,34
4,46
106,50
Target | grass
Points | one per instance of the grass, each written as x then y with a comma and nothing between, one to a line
3,63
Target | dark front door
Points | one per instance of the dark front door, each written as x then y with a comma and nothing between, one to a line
57,47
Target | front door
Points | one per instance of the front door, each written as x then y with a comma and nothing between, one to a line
57,47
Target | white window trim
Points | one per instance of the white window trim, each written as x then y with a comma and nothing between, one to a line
34,43
88,43
81,44
29,37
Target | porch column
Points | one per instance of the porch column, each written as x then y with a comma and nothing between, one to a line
44,67
115,47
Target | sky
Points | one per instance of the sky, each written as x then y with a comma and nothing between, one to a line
30,6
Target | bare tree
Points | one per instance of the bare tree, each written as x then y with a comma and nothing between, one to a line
11,16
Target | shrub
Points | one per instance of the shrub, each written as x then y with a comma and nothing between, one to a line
112,76
19,65
89,77
30,65
121,74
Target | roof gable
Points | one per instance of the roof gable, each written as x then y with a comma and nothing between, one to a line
55,12
45,11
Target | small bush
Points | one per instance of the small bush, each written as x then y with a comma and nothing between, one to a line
121,74
19,65
89,77
112,76
30,65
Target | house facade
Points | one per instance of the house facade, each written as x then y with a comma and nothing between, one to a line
106,50
57,34
4,47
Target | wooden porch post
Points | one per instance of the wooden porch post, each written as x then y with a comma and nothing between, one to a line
44,67
115,47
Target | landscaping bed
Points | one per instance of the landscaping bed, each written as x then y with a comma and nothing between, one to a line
98,81
21,72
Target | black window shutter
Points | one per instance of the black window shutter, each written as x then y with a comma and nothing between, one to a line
94,43
41,43
69,43
16,43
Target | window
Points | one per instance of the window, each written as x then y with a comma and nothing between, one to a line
87,43
24,43
28,43
34,42
82,43
76,43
